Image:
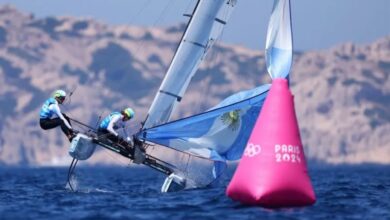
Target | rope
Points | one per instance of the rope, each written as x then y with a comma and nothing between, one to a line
159,19
137,15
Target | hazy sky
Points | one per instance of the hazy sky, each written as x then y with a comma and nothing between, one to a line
317,24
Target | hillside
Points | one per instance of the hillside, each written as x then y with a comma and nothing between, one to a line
342,94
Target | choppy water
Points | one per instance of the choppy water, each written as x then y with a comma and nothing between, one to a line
343,192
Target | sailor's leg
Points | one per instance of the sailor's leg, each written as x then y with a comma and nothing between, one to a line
117,142
103,134
100,132
113,138
55,122
49,123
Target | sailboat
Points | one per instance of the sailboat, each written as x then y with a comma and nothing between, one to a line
193,151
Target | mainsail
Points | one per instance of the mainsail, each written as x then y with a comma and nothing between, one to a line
205,26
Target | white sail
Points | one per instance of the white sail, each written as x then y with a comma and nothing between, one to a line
279,42
204,28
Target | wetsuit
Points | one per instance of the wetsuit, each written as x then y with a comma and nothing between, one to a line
51,117
109,124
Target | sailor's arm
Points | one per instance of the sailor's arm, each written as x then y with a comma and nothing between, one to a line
110,127
57,110
128,138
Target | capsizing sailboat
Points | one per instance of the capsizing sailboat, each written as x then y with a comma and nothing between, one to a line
221,133
193,151
205,25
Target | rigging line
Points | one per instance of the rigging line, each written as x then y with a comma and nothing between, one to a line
65,105
178,46
211,57
213,54
70,95
226,13
99,120
137,15
81,123
159,19
220,37
224,18
208,62
70,115
162,14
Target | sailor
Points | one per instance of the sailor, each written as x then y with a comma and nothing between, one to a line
51,115
114,121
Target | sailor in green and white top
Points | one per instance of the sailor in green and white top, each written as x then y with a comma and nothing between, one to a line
51,115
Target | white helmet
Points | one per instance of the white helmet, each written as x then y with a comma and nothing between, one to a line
59,93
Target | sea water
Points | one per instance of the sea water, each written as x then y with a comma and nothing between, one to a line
343,192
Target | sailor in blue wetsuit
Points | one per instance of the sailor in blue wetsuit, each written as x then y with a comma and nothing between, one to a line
115,121
51,116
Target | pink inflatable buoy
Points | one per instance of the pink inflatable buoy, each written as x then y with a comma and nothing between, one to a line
272,171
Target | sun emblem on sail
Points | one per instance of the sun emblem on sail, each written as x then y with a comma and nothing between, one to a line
232,119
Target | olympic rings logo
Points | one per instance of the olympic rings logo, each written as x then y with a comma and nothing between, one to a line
252,150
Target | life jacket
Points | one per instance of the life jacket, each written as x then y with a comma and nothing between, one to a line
106,121
45,111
